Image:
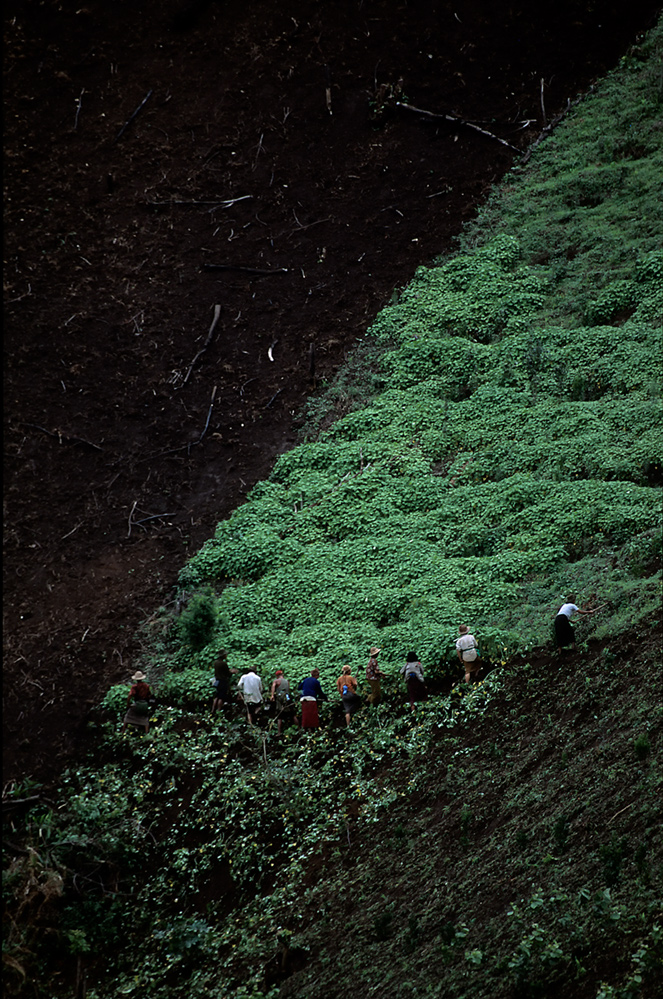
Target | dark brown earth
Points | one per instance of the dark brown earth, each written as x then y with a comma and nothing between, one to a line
267,140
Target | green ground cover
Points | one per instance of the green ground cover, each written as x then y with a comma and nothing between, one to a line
513,450
505,840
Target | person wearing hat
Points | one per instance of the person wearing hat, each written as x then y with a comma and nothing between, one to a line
347,688
374,675
280,696
311,693
468,653
138,706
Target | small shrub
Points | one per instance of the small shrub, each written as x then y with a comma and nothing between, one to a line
642,746
612,855
382,926
198,621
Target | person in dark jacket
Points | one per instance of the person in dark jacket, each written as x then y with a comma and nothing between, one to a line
222,673
311,693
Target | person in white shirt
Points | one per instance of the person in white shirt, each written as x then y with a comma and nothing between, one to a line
467,651
564,633
250,687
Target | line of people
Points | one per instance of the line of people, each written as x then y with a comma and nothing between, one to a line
309,691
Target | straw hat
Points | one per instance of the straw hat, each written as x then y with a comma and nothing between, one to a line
463,629
374,651
138,676
346,669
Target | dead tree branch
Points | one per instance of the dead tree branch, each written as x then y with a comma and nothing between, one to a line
219,203
217,313
458,121
245,270
61,436
133,115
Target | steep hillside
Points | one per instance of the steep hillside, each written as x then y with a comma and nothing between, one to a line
500,445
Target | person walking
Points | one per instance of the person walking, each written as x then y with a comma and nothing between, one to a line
374,675
564,633
413,672
346,685
281,698
468,652
311,693
250,688
138,703
221,681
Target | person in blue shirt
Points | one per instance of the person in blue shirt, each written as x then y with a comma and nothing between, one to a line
311,693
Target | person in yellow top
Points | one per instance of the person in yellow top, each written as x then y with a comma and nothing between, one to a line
347,688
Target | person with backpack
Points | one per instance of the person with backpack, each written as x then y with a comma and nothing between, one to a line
139,702
347,688
311,693
413,672
468,652
281,697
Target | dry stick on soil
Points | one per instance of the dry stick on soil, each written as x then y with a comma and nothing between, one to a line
245,270
328,89
220,202
209,414
130,521
274,397
79,102
543,106
132,116
155,516
619,813
458,121
217,313
62,436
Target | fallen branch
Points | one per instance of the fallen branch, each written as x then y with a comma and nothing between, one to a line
220,202
274,397
209,414
62,436
132,116
458,121
217,313
244,270
619,813
184,447
79,103
155,516
129,521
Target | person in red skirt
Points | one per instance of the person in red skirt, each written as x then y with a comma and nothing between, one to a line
311,693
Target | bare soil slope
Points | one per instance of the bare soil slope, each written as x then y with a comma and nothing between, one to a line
147,141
